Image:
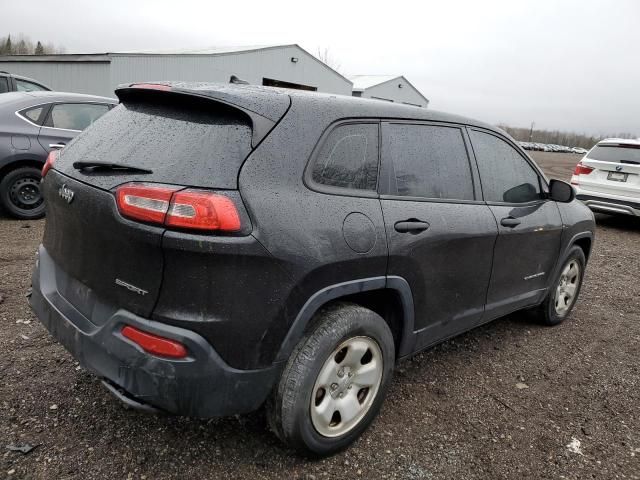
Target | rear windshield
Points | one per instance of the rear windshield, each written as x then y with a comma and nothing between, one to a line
199,144
615,153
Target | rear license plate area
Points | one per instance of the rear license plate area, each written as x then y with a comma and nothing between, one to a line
617,176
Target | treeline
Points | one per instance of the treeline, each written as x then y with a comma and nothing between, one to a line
23,45
557,137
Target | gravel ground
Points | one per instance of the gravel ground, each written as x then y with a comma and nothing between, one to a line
507,400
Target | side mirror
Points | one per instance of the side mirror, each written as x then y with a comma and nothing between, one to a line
560,191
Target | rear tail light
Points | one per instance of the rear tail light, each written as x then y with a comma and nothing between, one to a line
582,169
51,158
203,211
144,202
178,207
154,344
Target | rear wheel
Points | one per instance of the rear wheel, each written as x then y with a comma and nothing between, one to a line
564,291
335,381
20,194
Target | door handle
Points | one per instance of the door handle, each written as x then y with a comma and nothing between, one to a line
57,145
510,222
411,226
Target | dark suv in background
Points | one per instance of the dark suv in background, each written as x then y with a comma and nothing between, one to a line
212,248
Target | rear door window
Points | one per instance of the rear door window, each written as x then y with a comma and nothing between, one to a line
4,84
75,116
428,161
348,158
505,175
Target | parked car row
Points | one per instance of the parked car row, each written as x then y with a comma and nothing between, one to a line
552,147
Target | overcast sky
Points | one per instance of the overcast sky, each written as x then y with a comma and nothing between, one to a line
571,64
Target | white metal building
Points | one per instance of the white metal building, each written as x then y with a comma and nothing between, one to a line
98,74
391,88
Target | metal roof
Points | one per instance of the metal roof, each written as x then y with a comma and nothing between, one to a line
362,82
210,51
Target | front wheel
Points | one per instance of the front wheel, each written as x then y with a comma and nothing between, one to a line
334,382
20,194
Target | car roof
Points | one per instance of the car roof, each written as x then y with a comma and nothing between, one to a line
34,98
620,141
22,77
266,101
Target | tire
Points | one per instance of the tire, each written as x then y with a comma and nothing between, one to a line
335,345
20,194
555,308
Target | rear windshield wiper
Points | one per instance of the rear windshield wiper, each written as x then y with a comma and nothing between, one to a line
109,166
630,162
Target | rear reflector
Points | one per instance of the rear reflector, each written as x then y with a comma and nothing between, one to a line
160,346
177,207
202,210
51,158
582,169
144,202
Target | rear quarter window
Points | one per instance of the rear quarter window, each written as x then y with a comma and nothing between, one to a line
348,158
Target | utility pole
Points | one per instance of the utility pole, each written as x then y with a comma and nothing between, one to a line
531,132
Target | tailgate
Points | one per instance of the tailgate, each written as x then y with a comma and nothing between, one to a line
102,256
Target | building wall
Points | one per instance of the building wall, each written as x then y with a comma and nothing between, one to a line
390,91
272,63
101,78
77,77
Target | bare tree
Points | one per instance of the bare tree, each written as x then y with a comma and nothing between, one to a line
325,56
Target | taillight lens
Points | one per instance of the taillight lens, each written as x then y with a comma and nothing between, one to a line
582,169
51,158
154,344
177,207
203,210
144,202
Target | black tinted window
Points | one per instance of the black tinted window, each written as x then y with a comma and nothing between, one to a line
428,161
75,116
349,158
4,85
505,175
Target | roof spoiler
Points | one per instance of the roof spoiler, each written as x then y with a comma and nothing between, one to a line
262,120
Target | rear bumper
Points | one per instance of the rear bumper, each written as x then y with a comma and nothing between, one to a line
202,385
599,202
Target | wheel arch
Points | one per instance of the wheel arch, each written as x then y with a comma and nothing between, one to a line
388,296
18,163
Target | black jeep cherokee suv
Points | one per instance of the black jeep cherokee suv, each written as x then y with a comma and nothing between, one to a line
212,248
